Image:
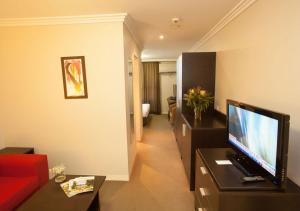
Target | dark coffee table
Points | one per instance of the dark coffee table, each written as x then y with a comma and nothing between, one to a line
51,197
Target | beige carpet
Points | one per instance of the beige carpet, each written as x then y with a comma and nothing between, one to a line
158,181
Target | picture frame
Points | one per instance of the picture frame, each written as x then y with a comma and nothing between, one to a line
74,77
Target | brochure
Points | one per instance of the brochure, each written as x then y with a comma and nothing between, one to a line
78,185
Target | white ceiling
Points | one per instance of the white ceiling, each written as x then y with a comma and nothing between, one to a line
151,18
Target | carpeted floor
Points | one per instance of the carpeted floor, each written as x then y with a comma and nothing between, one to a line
158,181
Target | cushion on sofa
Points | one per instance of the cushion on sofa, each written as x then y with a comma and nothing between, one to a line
14,190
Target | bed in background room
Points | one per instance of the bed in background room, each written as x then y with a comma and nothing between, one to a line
146,111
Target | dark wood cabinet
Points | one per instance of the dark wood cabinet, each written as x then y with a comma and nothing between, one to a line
196,69
191,134
219,187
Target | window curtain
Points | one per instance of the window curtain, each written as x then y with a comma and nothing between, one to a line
152,86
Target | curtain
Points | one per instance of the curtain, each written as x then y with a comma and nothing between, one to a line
151,86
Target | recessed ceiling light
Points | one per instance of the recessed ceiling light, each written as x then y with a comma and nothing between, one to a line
161,37
175,20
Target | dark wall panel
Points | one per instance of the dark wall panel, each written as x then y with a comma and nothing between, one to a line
198,69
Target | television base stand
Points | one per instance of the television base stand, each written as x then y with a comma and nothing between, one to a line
244,165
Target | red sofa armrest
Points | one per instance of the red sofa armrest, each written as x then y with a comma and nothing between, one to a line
20,165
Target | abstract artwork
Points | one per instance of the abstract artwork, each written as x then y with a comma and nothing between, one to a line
74,77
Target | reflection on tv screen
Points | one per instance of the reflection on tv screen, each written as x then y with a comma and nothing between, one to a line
255,135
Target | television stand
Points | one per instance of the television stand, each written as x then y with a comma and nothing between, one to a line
220,187
244,165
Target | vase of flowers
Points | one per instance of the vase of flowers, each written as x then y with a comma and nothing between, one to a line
199,100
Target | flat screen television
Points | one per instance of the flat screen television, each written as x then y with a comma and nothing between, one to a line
260,138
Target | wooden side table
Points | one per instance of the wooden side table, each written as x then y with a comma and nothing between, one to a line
17,150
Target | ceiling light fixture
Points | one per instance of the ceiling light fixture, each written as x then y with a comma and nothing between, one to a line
161,37
175,21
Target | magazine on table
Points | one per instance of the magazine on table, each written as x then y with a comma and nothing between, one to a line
78,185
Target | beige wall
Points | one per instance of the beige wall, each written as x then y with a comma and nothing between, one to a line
167,79
88,135
1,143
258,63
133,91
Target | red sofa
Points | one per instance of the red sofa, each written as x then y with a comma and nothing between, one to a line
20,176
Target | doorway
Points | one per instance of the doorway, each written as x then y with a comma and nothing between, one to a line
159,90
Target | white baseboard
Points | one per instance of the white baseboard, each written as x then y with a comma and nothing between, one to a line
117,177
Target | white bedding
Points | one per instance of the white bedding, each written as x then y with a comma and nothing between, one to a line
146,109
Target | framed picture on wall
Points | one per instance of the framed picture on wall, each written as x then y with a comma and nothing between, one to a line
74,77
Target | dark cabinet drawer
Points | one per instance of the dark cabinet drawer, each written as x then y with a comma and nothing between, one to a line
186,149
178,130
205,185
201,204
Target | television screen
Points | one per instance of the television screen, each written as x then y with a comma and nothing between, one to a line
255,135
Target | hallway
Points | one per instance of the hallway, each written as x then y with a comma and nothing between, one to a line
158,180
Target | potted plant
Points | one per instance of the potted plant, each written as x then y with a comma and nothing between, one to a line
199,100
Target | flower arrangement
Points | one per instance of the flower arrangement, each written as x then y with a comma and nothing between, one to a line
198,99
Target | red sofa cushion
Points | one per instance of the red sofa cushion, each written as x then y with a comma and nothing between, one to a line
15,189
